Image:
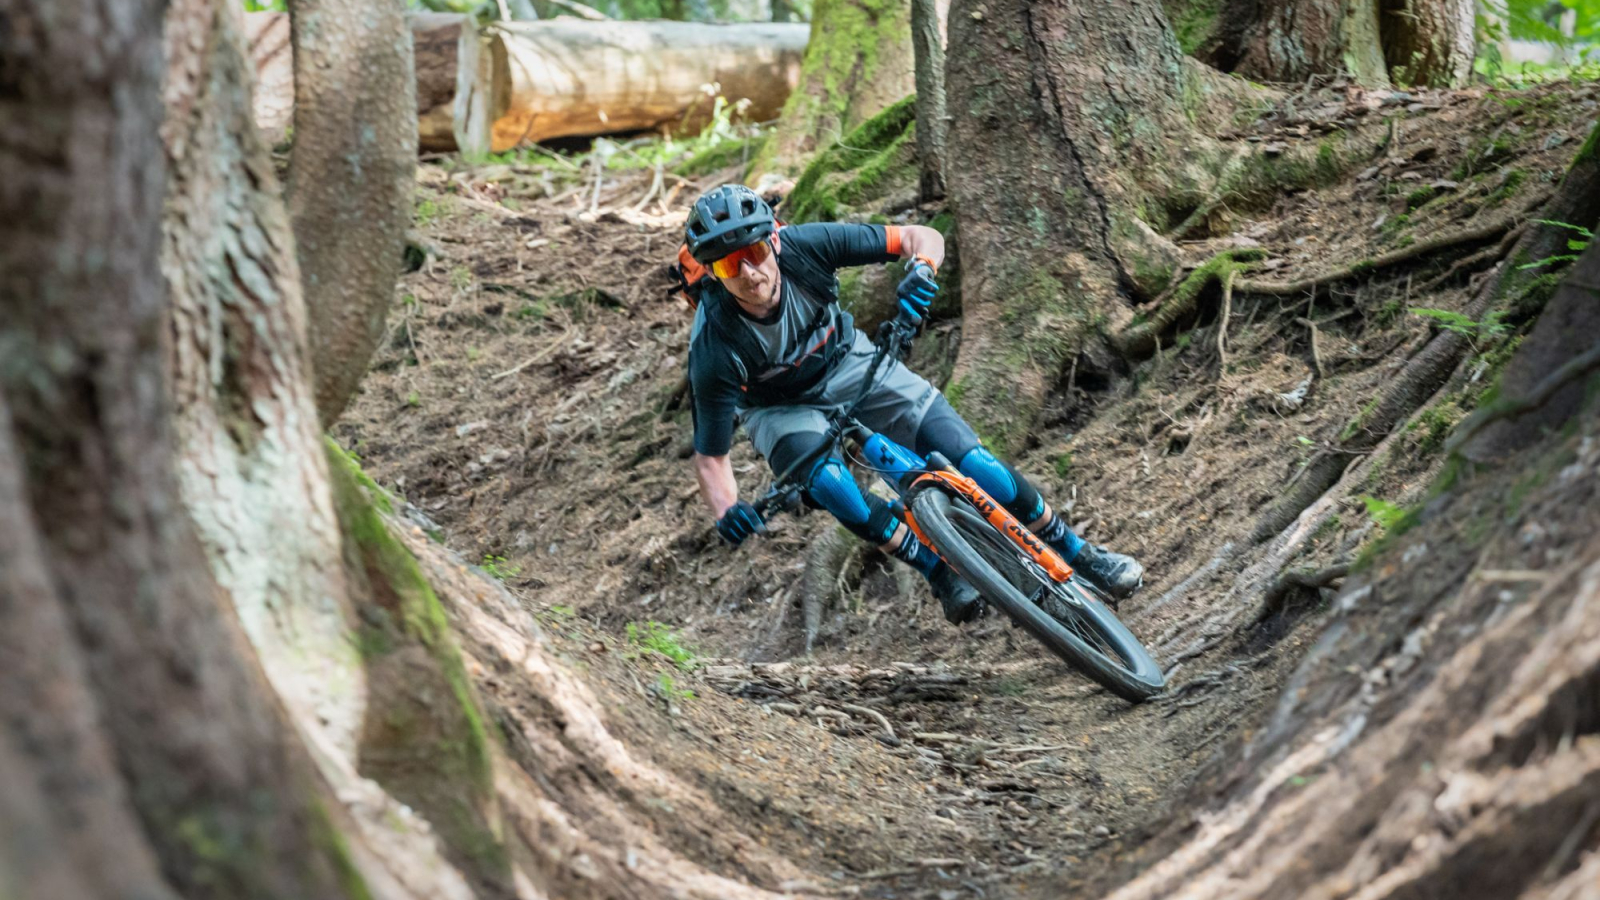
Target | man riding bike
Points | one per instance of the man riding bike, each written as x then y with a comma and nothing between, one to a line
771,347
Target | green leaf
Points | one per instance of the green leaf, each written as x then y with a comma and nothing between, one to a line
1565,257
1386,514
1447,319
1555,224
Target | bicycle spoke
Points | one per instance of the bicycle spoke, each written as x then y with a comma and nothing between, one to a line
1023,572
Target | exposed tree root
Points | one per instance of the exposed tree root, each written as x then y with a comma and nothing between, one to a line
834,560
1295,579
1576,367
1425,372
1141,339
1446,240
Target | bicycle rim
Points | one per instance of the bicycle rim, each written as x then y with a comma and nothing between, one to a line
1070,619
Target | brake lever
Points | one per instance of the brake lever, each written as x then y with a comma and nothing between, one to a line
779,500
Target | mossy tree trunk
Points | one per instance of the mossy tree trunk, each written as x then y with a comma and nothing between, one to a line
355,128
1082,130
252,463
1373,42
144,753
858,61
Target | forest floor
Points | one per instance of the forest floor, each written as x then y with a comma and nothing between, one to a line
521,401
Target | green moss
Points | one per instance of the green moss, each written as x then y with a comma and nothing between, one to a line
1141,338
1434,424
1591,145
720,156
1420,196
870,162
347,461
1063,464
842,58
424,739
1356,424
1263,177
1507,189
325,834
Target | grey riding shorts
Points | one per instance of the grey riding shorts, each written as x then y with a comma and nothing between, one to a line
899,403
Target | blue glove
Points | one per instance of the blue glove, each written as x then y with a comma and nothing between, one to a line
739,522
916,292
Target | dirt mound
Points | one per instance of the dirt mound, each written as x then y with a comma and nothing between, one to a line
528,400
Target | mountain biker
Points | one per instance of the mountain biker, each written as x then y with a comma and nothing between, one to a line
771,347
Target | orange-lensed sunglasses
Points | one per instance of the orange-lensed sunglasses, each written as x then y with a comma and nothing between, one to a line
755,255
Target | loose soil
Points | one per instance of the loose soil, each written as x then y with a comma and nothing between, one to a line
527,400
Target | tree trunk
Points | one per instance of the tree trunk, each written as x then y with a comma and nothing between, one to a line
1373,42
140,735
1090,122
1428,42
463,84
582,78
1292,40
354,127
858,61
928,46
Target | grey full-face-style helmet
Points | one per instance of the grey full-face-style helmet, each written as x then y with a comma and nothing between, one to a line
725,219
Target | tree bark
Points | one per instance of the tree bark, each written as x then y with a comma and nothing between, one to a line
572,77
928,47
149,709
1092,128
1428,42
354,127
857,62
1292,40
463,84
1373,42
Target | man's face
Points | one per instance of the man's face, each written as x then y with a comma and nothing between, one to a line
756,285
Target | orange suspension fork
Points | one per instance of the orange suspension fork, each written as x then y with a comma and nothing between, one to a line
959,484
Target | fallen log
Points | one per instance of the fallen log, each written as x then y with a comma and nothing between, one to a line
462,80
521,82
573,77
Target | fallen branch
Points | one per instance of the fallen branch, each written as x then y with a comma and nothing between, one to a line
880,718
532,360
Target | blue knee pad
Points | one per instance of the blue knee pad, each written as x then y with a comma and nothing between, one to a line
1000,481
867,517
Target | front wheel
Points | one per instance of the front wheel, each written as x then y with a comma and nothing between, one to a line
1069,618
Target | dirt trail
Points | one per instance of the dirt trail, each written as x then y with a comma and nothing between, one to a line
521,402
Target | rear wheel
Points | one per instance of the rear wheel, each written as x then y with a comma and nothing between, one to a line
1071,618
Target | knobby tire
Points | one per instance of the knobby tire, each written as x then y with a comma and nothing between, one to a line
1087,635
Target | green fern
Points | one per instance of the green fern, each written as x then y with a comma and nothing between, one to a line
1385,514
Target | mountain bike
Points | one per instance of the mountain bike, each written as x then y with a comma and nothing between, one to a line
1010,567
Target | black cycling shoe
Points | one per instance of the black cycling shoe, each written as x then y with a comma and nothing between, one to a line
961,601
1115,574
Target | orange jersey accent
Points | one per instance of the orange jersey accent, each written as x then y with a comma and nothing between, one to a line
892,233
1048,559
